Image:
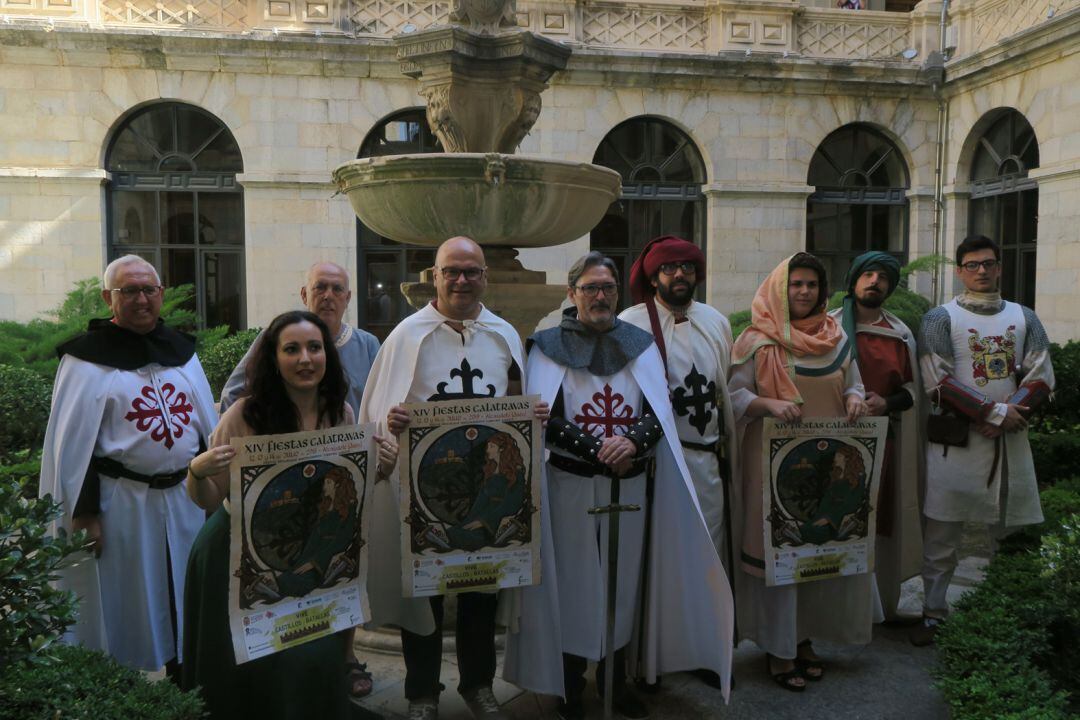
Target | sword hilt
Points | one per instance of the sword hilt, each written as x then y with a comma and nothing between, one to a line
602,509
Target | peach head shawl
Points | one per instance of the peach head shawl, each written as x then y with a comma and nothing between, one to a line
776,339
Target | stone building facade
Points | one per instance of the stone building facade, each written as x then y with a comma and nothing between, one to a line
202,133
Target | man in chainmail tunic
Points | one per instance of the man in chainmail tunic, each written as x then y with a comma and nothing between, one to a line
985,365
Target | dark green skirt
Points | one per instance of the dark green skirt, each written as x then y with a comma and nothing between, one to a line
306,681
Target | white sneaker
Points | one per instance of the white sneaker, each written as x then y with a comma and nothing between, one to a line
483,705
425,709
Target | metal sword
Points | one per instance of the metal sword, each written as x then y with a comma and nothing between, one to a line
614,509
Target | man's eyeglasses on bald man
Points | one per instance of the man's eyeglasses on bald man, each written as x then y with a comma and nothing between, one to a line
472,274
688,268
130,292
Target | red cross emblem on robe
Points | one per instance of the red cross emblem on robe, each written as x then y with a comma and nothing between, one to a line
611,411
163,416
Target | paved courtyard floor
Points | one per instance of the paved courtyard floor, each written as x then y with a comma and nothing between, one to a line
887,679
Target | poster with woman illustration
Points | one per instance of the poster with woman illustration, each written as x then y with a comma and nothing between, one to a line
470,495
298,552
821,496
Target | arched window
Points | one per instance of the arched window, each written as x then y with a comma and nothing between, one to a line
172,198
860,199
1004,202
662,173
384,264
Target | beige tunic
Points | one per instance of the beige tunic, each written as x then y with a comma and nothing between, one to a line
840,610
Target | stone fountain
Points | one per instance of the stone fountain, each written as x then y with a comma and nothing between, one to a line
482,78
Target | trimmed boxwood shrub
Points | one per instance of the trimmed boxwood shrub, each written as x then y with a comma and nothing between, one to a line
1009,650
24,410
219,359
81,684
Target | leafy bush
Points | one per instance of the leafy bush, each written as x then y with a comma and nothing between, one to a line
23,467
33,344
87,685
1056,456
221,358
33,613
1009,649
1063,415
24,410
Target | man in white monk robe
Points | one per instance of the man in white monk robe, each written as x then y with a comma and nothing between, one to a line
611,417
131,407
452,349
986,366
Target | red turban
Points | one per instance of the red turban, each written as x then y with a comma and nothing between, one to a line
665,249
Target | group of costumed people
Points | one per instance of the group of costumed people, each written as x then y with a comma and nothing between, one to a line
658,404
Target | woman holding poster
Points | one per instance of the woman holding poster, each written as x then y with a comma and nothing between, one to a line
295,383
793,362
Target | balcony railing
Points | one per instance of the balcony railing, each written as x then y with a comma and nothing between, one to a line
669,26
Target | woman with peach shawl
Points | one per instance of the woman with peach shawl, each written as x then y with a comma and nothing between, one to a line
793,362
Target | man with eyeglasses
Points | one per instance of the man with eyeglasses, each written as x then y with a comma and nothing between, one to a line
325,293
986,366
611,418
131,407
452,349
694,340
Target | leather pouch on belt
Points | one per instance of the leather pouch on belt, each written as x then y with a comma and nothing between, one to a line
948,430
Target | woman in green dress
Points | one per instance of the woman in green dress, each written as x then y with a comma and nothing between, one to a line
295,383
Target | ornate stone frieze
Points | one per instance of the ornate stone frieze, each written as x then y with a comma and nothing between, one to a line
995,20
852,35
209,14
390,17
683,28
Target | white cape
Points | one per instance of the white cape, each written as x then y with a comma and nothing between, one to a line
78,405
688,613
388,385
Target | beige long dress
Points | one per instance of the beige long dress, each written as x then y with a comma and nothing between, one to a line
840,610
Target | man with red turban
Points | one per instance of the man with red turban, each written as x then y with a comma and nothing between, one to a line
695,343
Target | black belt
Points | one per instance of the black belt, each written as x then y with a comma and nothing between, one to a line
588,469
112,468
703,447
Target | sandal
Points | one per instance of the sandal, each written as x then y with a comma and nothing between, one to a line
813,669
786,680
359,680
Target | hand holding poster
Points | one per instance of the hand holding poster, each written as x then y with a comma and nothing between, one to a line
819,501
470,495
297,564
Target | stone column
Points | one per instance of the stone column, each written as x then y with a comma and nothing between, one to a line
750,229
1058,259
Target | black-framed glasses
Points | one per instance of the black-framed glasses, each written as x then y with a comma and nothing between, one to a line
472,274
129,292
592,290
974,265
670,268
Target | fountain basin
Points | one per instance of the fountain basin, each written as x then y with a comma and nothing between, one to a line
496,199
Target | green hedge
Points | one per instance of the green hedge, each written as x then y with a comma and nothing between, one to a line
24,410
1056,456
219,360
1009,650
81,684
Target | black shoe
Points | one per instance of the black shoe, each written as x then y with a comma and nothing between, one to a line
709,677
647,687
571,709
629,705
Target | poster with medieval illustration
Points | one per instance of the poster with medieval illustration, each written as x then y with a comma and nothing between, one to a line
819,500
297,556
470,495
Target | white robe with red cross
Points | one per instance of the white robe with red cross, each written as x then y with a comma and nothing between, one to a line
151,420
